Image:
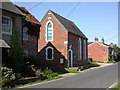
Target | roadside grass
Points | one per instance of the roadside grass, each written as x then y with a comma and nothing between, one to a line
116,87
30,83
72,71
48,74
95,62
62,70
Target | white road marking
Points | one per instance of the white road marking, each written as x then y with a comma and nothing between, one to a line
111,86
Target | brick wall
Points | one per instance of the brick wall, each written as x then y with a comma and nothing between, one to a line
96,51
73,40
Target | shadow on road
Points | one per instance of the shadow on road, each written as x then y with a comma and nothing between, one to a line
88,66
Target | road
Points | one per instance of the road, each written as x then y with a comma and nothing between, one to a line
98,78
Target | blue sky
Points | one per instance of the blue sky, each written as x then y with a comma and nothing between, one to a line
94,19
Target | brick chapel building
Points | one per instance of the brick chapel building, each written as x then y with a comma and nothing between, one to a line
61,43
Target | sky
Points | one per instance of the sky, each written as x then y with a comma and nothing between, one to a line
94,19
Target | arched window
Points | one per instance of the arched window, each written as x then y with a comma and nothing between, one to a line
25,34
80,48
49,53
85,48
49,31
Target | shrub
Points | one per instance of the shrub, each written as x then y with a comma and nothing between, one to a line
32,60
49,73
90,59
7,75
38,73
16,52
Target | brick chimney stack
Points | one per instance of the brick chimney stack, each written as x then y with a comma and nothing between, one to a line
96,39
111,44
103,40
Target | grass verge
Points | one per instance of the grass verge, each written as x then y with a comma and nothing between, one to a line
116,87
30,83
63,70
72,71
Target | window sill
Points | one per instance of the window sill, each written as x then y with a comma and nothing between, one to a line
49,59
6,33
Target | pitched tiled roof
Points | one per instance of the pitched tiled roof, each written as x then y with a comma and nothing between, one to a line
99,43
28,16
9,6
89,43
69,25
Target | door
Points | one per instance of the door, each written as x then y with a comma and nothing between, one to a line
70,58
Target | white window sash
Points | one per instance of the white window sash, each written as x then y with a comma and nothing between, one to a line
49,21
7,28
47,53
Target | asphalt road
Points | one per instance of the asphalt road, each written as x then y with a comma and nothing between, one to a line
98,78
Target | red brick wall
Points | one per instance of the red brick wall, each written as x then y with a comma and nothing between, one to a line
73,40
60,49
96,52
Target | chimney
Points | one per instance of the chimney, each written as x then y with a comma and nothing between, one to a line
111,44
96,39
102,40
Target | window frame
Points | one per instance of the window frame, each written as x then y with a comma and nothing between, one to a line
26,53
26,34
9,33
80,48
49,47
85,48
104,50
89,53
46,35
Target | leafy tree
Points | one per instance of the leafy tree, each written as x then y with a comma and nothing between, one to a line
117,50
16,51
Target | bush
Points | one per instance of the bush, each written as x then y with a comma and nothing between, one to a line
90,59
16,51
7,75
32,60
38,73
49,73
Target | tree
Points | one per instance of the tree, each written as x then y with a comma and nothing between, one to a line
16,52
117,50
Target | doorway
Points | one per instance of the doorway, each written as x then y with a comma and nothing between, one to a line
70,58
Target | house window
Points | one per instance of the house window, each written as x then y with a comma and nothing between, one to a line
25,53
25,34
80,48
49,31
85,49
49,53
89,53
6,25
104,50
